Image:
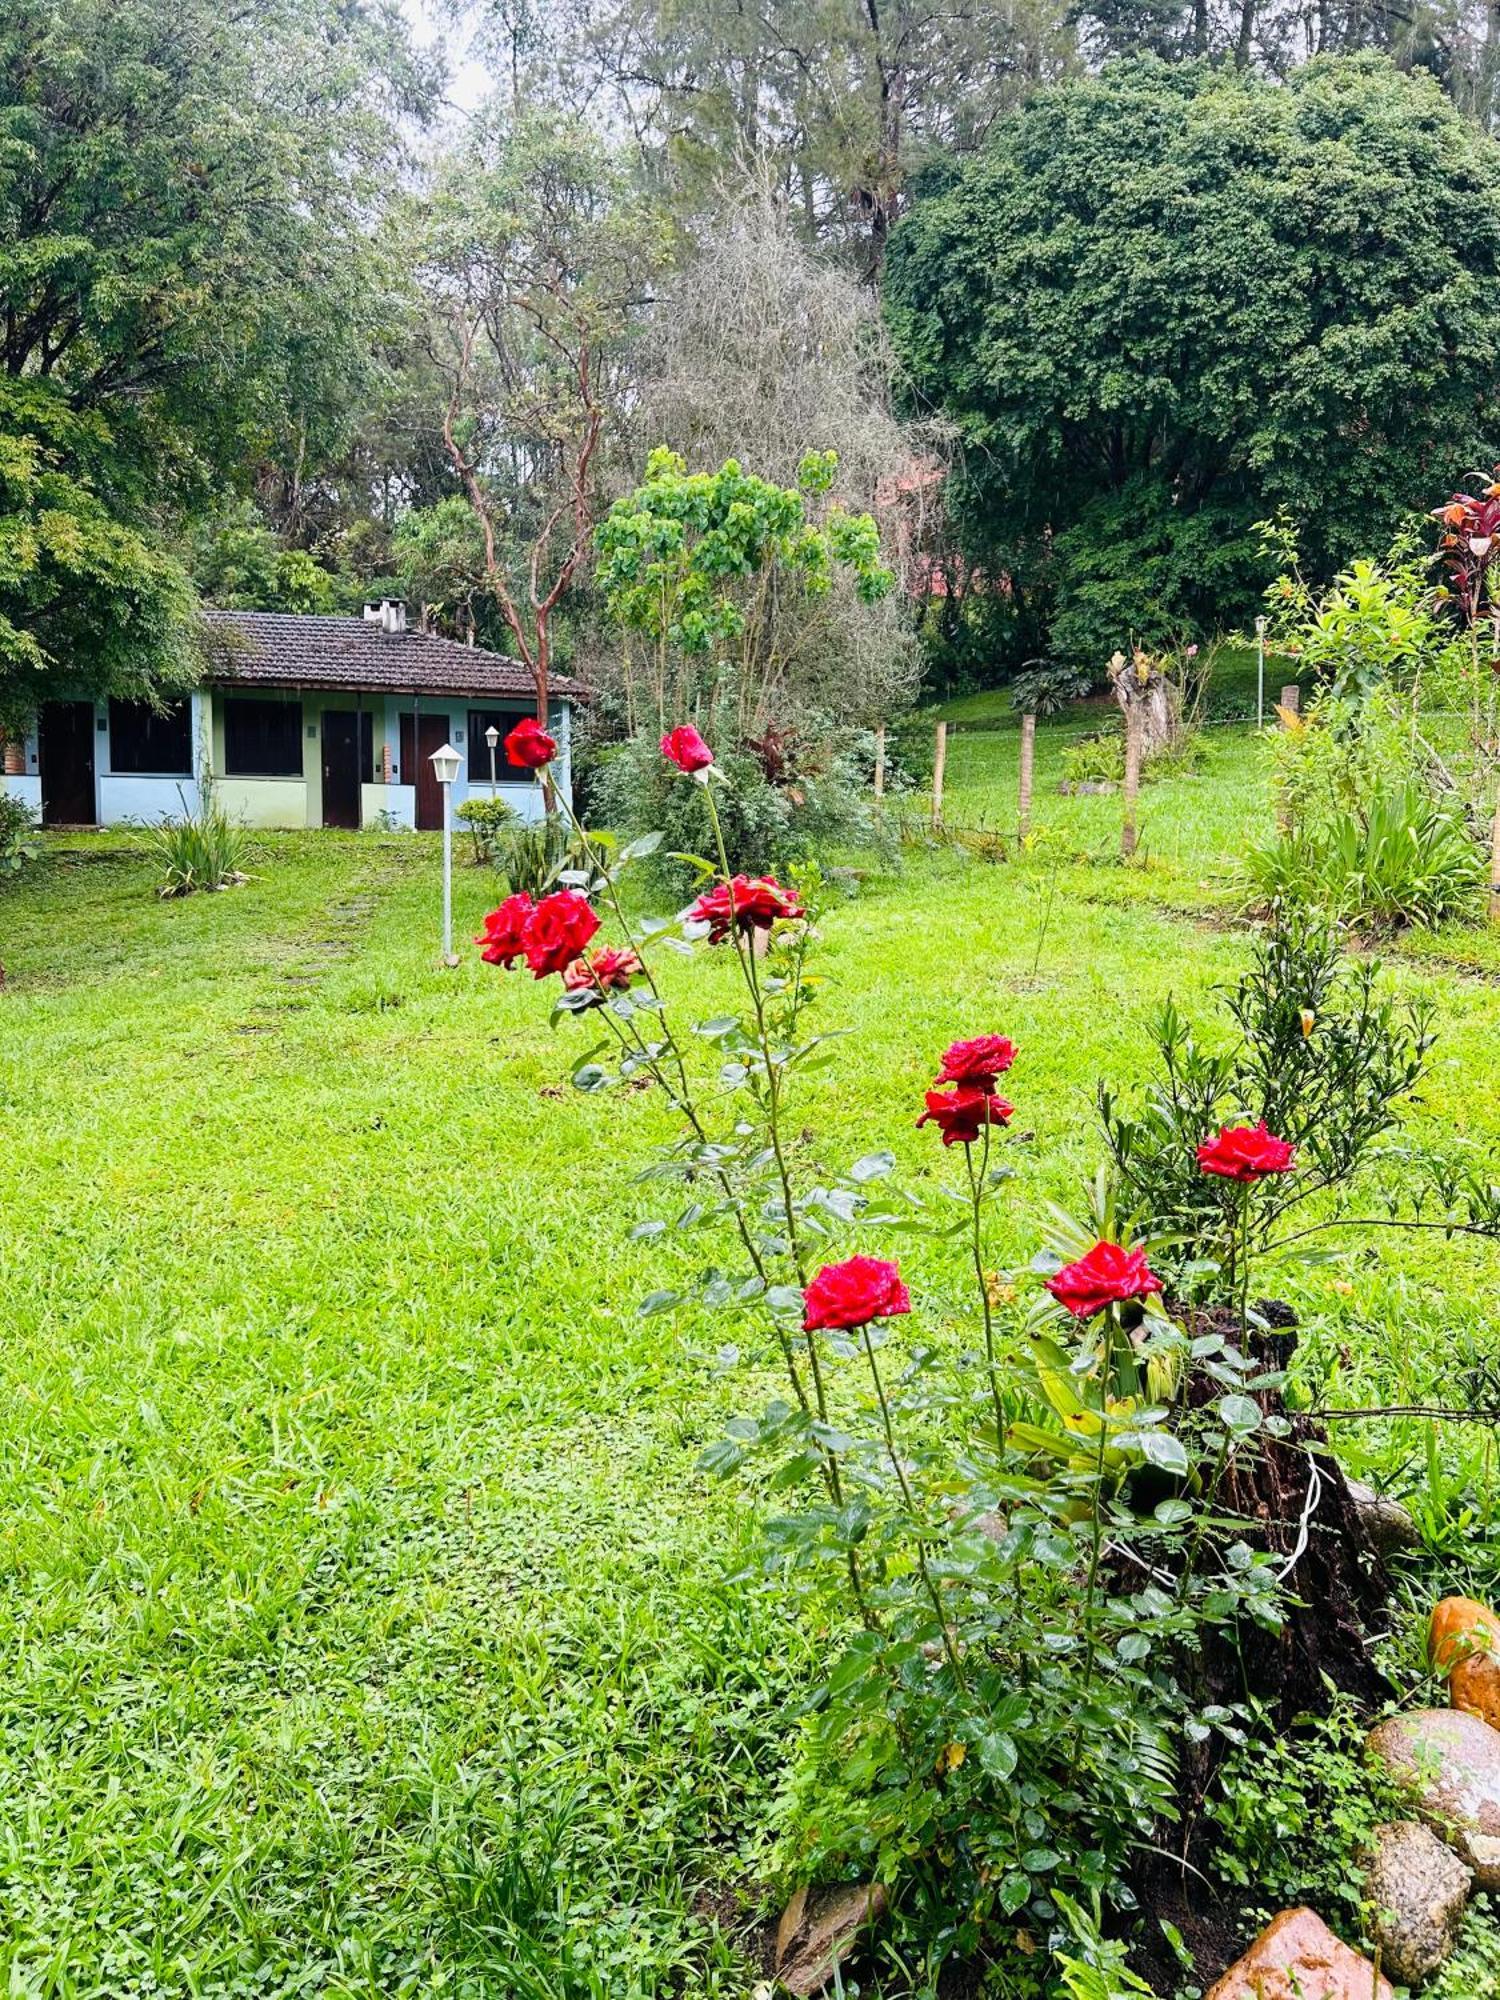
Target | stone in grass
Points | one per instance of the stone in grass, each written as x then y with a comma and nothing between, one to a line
1416,1890
1387,1523
1463,1642
1448,1764
818,1931
1297,1957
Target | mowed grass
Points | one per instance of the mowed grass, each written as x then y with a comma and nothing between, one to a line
366,1626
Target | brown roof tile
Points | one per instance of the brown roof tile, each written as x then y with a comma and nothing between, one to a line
287,649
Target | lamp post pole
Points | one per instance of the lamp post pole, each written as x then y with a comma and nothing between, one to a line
445,765
1260,672
492,737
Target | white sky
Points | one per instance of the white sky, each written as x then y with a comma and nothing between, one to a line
468,81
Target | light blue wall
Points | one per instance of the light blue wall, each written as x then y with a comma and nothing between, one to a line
122,796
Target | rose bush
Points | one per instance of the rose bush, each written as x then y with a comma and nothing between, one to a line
995,1733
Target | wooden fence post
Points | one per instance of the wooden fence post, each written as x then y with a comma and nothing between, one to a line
880,760
1028,761
1132,777
939,759
1291,699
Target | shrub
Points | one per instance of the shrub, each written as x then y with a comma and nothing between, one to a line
197,850
1098,758
17,831
1402,858
532,854
1319,1054
766,823
1043,687
485,819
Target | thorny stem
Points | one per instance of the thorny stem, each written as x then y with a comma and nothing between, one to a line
976,1190
911,1507
1091,1637
682,1097
746,955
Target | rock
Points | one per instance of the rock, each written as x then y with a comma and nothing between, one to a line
1417,1890
1297,1957
1448,1763
1459,1627
819,1929
1463,1641
1386,1522
1474,1686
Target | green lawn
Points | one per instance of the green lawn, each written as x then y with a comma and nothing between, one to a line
367,1628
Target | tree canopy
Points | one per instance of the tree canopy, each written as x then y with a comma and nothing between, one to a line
1169,301
189,287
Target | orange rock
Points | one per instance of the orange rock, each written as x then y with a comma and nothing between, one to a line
1297,1957
1458,1627
1474,1686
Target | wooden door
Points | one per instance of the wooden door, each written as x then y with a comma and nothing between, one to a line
420,736
65,746
341,767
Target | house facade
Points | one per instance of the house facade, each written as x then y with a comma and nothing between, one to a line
300,721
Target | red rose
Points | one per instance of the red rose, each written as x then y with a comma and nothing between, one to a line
1108,1275
606,971
686,749
979,1062
528,745
962,1114
502,941
1245,1153
754,902
853,1293
557,931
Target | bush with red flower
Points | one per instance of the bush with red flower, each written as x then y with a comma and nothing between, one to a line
881,1454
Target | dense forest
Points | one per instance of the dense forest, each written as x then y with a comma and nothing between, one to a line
1077,295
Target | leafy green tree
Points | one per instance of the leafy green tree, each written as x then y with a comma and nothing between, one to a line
81,591
719,576
1168,302
189,289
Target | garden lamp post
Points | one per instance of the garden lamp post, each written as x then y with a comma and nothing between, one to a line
1260,671
492,737
445,763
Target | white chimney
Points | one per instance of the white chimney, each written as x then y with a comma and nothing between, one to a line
372,614
393,615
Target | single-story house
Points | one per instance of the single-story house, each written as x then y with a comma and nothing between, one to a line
300,721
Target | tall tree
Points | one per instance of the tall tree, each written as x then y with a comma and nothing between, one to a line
1169,301
845,96
533,253
188,284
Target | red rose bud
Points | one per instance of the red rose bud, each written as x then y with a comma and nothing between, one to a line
962,1114
979,1062
502,941
528,745
686,749
754,902
557,931
1107,1276
1246,1153
854,1293
606,971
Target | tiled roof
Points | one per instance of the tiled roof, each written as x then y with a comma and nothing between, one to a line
285,649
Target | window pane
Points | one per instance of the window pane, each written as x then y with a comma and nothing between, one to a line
263,739
150,743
